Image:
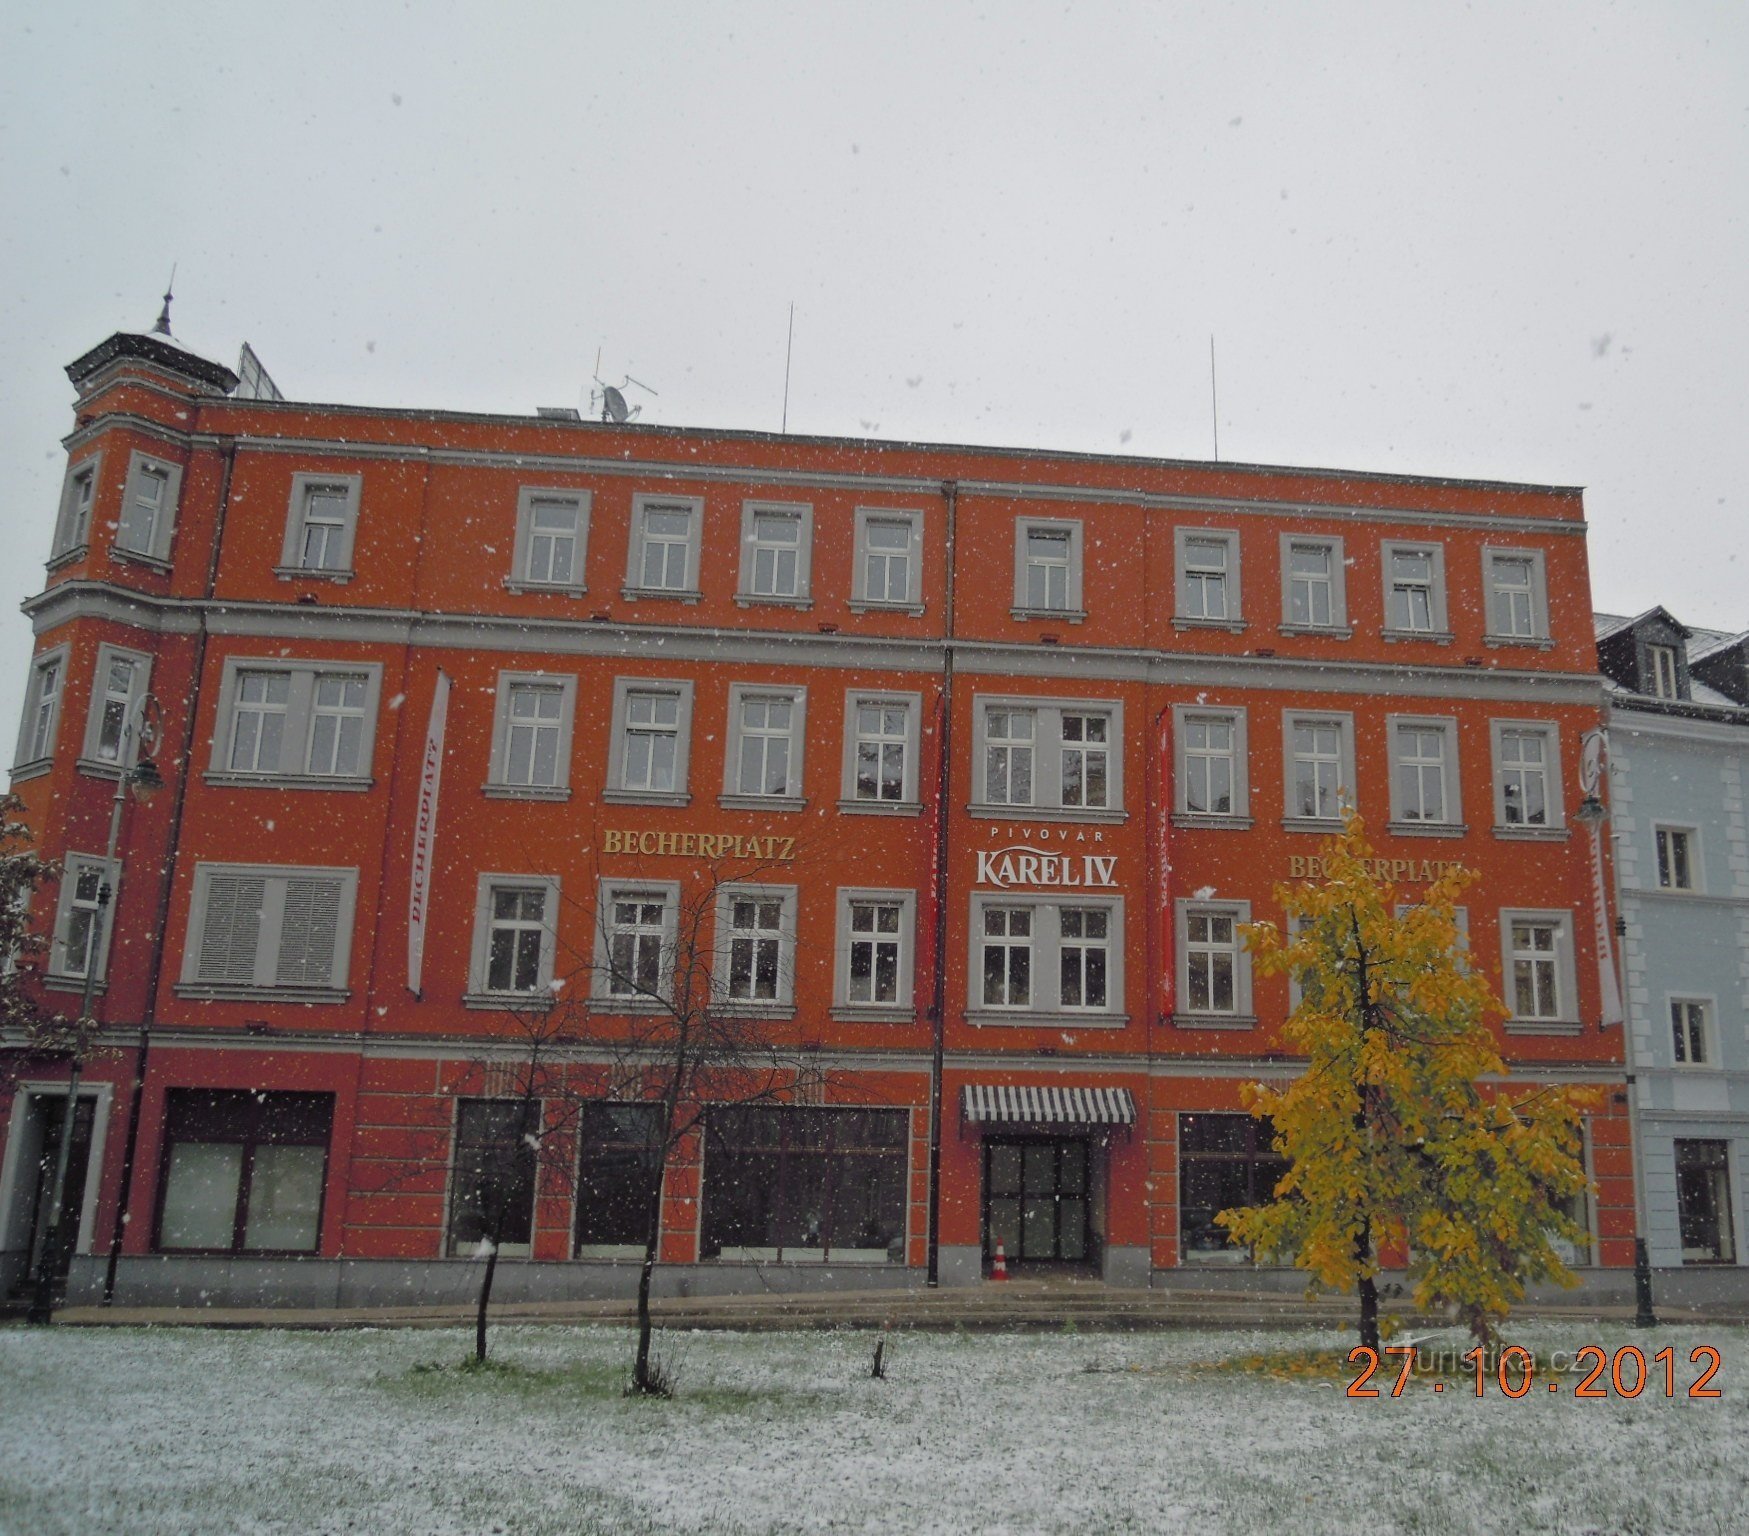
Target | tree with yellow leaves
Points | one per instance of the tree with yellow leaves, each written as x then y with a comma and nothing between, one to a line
1396,1138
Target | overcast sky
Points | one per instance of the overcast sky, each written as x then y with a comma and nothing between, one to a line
1503,241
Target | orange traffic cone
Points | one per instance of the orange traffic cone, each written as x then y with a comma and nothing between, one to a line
999,1266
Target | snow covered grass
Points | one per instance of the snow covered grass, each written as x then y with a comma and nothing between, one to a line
183,1430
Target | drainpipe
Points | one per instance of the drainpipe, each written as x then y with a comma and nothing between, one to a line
938,1001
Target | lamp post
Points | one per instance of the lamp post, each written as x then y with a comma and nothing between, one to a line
140,774
1591,813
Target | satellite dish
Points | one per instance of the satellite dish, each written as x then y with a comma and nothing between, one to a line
613,401
613,404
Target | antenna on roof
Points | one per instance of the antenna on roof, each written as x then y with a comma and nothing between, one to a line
162,327
612,397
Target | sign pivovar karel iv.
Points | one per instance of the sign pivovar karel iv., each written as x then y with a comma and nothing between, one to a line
1020,865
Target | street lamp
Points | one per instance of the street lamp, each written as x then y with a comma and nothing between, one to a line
139,735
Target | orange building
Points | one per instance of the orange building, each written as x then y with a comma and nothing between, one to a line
981,756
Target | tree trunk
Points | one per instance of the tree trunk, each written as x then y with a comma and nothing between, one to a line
1369,1292
480,1313
641,1369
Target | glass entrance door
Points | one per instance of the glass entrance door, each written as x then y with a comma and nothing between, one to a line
50,1115
1035,1199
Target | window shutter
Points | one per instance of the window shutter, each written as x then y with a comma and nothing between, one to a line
307,934
230,933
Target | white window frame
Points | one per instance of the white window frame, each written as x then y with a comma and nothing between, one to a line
1187,615
643,505
902,1008
1439,628
783,1004
1331,544
1663,833
908,803
480,993
1682,1057
291,555
277,878
1346,795
1045,1006
36,746
293,769
1069,530
530,498
1536,596
643,891
1183,715
1451,777
78,503
1565,1017
1555,822
108,873
1242,1015
617,790
499,785
860,599
155,548
1047,759
802,515
91,758
1666,671
734,796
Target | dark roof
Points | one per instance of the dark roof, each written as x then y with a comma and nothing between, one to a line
161,350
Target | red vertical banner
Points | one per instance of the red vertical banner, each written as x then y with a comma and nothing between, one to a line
1168,977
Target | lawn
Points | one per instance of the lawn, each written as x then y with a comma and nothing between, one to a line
184,1430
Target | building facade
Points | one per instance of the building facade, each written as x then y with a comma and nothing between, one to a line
1679,761
971,763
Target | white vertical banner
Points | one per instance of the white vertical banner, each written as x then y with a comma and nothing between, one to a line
1608,988
425,833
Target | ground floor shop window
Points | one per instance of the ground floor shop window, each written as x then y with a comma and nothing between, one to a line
1224,1161
1703,1202
243,1172
492,1189
805,1184
619,1172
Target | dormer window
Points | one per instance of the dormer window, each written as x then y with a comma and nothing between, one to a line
1666,678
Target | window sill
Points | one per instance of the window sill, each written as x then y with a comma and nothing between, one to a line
1326,631
67,557
96,768
225,992
1229,1021
1544,1027
1325,826
1232,626
873,1013
555,588
1666,893
59,981
141,558
762,802
863,605
742,1008
881,807
1514,834
1042,1018
1435,636
661,594
1427,829
31,769
557,792
266,780
300,573
1224,823
646,797
1092,816
612,1252
630,1007
772,600
1057,615
511,1002
1527,642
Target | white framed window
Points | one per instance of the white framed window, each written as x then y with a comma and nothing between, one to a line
321,526
875,954
1318,748
531,735
1424,774
1527,776
84,916
119,680
269,928
1050,959
880,753
663,553
1061,757
763,765
1048,569
1414,590
42,711
1678,858
78,496
515,938
756,947
1208,576
652,741
1517,588
1537,955
1691,1032
552,541
889,559
1666,672
637,924
1209,753
777,551
309,724
148,508
1314,583
1214,968
492,1183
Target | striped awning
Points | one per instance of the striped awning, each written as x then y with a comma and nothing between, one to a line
1048,1106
